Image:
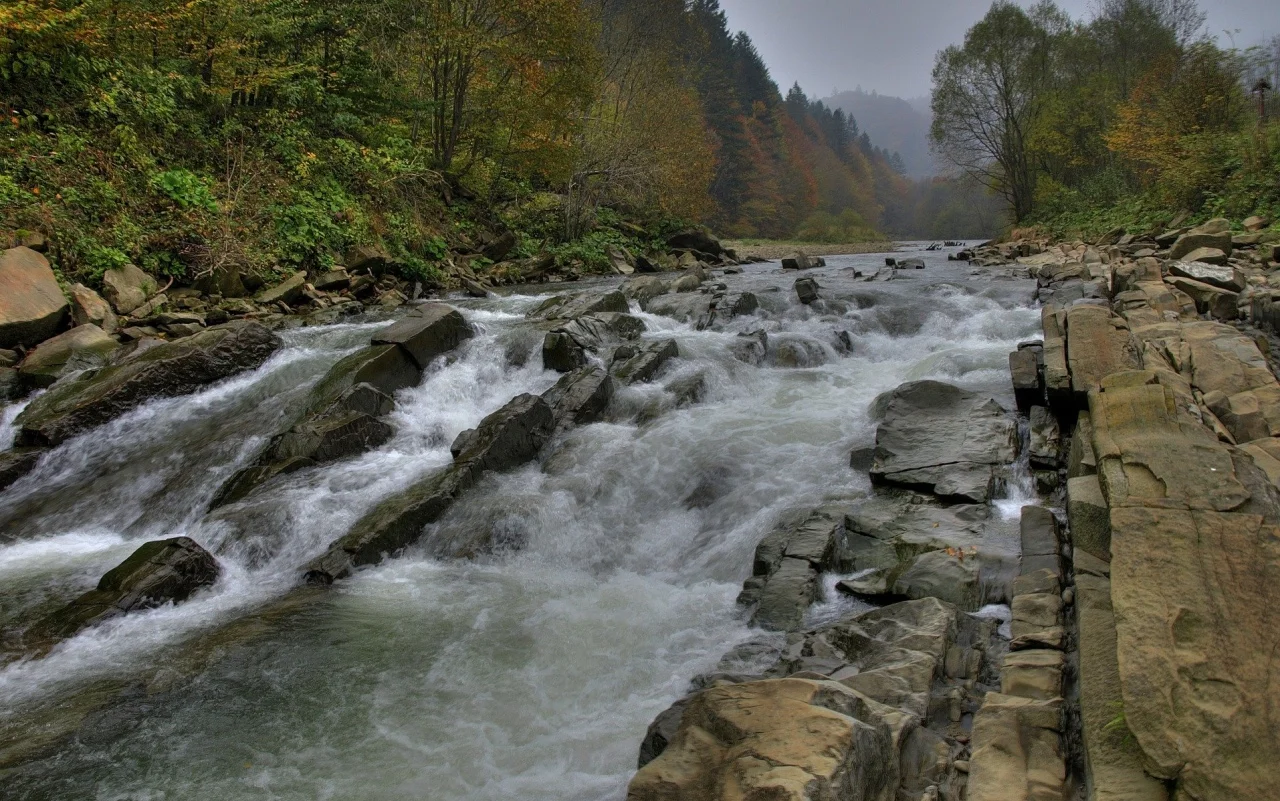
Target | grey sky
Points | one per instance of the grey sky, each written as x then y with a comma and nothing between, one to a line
889,45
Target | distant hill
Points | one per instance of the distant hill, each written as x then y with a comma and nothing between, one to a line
893,124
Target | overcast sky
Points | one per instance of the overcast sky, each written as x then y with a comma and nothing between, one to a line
889,45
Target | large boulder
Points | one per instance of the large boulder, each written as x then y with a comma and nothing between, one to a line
569,307
696,241
580,398
161,572
32,307
430,331
642,364
787,739
943,439
165,371
83,346
127,288
508,438
1223,277
1191,242
566,347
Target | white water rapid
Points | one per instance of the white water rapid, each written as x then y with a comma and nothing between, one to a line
528,675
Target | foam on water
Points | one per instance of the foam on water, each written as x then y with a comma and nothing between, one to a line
532,672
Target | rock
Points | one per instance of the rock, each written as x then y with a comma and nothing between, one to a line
1254,224
368,259
509,437
943,439
333,281
687,283
127,288
580,398
1210,256
620,261
1089,517
938,574
787,739
16,463
1024,367
1211,300
646,265
1038,530
161,572
786,567
1036,612
647,361
697,241
569,307
500,246
89,308
565,348
1096,348
82,347
168,370
1191,242
800,261
287,291
1057,377
1033,674
644,289
1016,754
1113,757
1046,439
1222,277
910,264
430,331
32,307
807,290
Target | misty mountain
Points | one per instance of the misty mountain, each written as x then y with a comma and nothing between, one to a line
893,124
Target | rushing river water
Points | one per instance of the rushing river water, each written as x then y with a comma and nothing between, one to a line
527,675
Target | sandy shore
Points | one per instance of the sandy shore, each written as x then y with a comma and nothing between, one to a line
777,250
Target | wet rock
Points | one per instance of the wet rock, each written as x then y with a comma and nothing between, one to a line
580,398
806,290
750,348
1046,439
787,565
797,353
910,264
169,370
776,739
509,437
127,288
287,291
32,307
946,440
800,261
430,331
16,463
1038,530
82,347
645,363
1024,367
161,572
565,349
569,307
644,289
89,308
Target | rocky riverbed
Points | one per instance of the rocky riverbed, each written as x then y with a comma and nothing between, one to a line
859,531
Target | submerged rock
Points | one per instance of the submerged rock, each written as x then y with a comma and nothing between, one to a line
165,371
161,572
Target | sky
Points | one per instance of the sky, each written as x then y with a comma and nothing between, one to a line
889,45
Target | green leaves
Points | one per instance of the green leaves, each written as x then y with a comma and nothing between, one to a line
186,189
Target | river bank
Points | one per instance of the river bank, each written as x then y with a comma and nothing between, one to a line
772,250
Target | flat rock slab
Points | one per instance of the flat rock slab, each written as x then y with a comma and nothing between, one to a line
429,332
165,371
945,440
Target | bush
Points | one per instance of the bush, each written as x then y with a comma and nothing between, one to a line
186,189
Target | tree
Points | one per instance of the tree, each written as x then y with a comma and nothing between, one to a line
987,99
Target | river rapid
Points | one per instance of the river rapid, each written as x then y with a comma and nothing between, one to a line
530,674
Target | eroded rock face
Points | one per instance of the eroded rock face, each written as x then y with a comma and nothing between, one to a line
165,371
945,440
32,307
166,571
790,740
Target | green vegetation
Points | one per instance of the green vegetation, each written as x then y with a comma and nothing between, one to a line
203,139
1121,121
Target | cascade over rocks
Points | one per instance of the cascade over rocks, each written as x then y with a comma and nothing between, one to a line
166,571
165,371
938,437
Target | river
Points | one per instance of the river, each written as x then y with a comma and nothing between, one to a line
529,674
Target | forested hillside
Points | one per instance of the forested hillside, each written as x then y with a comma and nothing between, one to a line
894,124
199,138
1122,120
